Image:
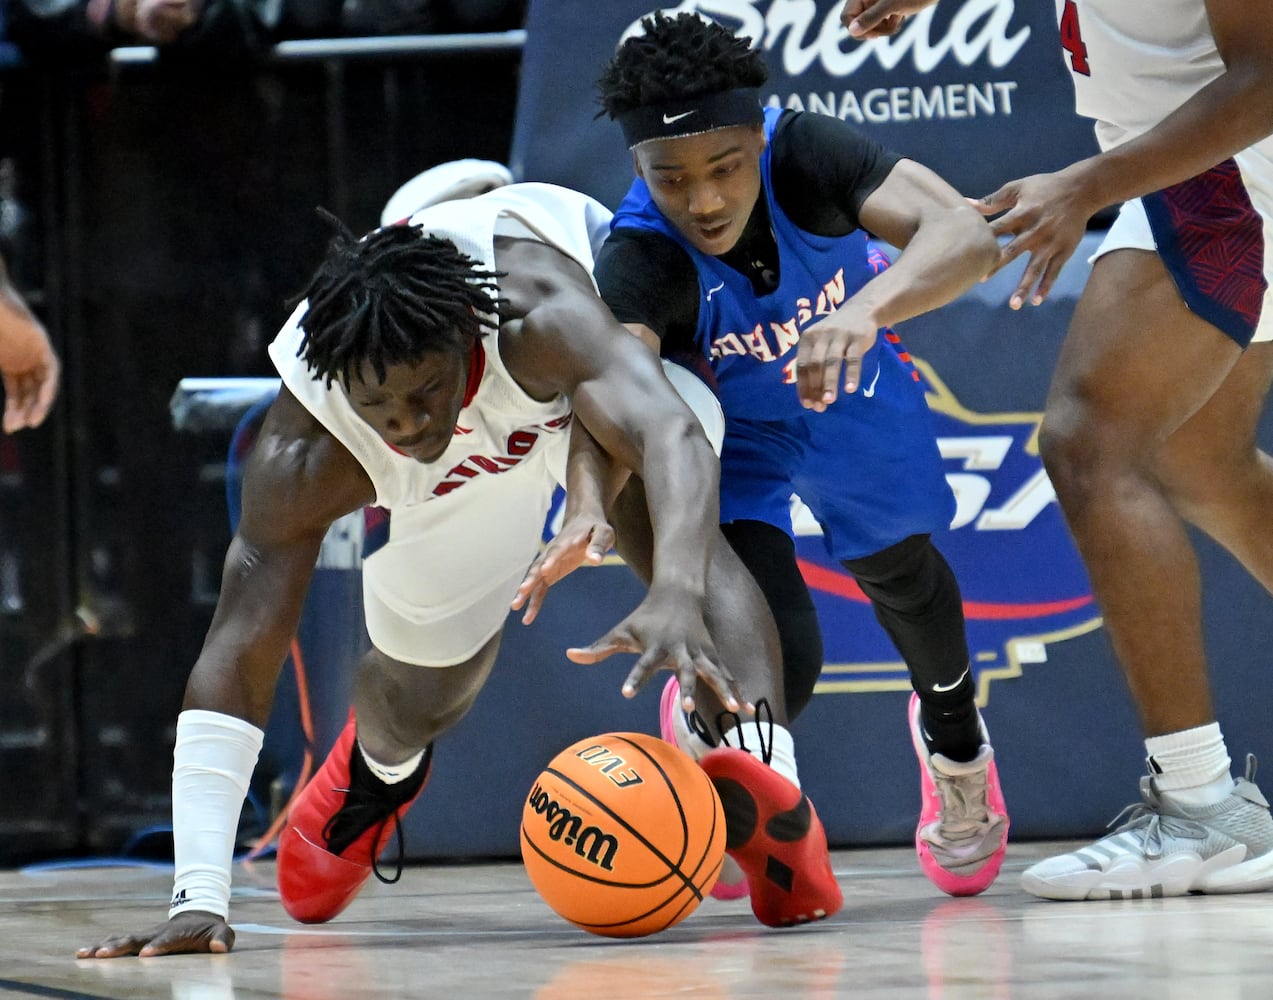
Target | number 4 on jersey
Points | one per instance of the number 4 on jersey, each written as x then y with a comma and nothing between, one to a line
1072,38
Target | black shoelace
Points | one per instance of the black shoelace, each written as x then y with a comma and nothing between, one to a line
369,802
701,729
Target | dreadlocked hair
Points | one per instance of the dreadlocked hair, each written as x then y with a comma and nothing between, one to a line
389,299
677,58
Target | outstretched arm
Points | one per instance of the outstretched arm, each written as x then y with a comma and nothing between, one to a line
568,342
28,363
297,482
1046,214
947,249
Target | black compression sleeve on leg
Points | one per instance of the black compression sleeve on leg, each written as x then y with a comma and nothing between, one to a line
770,556
917,600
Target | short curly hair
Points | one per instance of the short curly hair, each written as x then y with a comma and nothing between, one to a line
677,58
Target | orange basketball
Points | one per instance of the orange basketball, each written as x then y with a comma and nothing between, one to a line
623,834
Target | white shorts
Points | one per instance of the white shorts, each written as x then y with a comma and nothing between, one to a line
439,589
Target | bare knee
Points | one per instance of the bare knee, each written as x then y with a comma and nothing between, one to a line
402,707
1072,446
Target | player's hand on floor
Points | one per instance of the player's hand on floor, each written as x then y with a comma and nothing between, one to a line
667,630
582,539
192,931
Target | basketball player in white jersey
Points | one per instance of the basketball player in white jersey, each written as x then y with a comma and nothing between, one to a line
1152,415
433,371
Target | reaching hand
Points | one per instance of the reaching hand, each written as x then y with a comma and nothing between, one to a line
1046,217
839,340
585,538
879,18
28,364
191,931
668,630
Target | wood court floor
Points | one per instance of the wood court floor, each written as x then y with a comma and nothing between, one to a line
473,931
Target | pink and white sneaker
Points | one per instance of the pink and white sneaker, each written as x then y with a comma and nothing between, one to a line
732,883
962,834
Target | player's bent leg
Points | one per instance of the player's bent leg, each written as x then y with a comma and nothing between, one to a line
1168,849
1214,472
353,806
962,834
769,555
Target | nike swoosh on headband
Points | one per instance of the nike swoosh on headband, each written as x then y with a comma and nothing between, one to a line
669,119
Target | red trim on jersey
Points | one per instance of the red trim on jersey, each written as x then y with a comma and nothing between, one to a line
477,366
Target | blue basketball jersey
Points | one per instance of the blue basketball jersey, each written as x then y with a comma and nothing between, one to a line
869,466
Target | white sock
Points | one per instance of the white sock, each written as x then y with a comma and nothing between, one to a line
1191,767
686,738
776,739
391,774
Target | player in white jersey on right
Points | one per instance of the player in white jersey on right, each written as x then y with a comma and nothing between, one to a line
1152,415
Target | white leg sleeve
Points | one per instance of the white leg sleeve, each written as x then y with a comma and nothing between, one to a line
213,763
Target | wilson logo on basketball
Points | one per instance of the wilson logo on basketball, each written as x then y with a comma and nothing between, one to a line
590,842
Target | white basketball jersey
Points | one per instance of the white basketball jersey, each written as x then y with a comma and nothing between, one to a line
1133,63
501,426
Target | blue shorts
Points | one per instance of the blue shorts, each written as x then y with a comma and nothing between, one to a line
868,467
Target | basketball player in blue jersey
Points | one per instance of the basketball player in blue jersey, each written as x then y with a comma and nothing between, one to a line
1153,412
743,249
434,370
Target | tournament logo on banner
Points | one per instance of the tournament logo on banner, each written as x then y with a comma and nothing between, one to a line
1023,583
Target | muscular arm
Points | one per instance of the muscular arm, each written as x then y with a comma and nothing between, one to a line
1229,114
946,246
1047,213
298,480
562,339
946,249
571,344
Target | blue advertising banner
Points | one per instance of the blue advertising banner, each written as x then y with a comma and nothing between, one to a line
975,89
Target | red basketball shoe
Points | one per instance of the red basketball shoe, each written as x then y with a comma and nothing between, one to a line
776,837
337,828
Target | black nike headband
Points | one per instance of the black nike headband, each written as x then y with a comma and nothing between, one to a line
676,119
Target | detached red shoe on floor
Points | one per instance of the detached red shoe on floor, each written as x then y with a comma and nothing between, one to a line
336,830
776,837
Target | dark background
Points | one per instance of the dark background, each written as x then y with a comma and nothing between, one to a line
169,212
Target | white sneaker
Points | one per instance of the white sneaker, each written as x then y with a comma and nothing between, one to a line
1165,849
